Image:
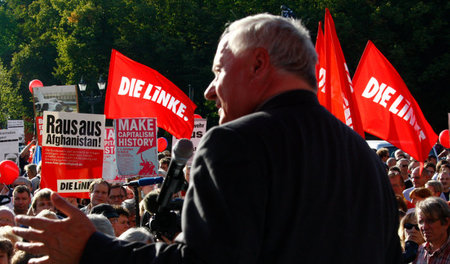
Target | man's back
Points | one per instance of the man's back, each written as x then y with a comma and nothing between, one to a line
290,183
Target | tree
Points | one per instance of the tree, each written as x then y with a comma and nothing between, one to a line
10,101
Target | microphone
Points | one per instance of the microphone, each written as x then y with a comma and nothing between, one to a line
182,152
144,181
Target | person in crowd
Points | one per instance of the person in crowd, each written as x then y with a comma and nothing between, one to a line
22,181
30,171
418,179
21,257
390,162
413,164
397,183
98,192
433,217
436,188
432,159
7,216
101,224
444,178
41,200
164,163
6,251
24,155
7,232
410,237
21,199
36,181
117,194
403,165
431,168
106,210
400,154
48,214
419,194
130,206
246,203
438,168
383,154
137,234
122,223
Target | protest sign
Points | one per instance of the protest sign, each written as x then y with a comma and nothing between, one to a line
72,152
136,149
9,145
18,125
110,172
60,98
197,134
39,128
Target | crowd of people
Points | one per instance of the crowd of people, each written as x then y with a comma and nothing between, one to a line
422,192
111,207
317,195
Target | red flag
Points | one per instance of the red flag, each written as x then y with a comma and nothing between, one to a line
388,110
338,82
135,90
320,70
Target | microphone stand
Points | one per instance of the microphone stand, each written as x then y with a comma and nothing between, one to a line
136,205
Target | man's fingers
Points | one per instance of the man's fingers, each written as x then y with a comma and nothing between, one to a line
35,248
65,206
41,260
29,234
35,222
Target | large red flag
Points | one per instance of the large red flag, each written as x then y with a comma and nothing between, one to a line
321,71
338,82
135,90
388,110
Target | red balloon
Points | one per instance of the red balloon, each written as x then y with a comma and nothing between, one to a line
444,138
197,116
9,171
35,83
162,144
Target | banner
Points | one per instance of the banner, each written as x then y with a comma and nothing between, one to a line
9,145
110,172
135,90
72,152
388,109
197,134
324,100
136,147
338,84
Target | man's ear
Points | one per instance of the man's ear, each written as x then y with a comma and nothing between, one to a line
261,62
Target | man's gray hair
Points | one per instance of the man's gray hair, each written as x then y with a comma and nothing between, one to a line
286,40
434,208
137,234
102,224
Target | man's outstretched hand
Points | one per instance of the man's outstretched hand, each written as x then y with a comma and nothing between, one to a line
57,241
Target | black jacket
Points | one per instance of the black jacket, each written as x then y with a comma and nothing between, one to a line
286,184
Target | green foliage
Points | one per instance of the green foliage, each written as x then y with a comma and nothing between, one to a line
58,41
10,101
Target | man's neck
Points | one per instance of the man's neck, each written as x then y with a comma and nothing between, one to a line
436,245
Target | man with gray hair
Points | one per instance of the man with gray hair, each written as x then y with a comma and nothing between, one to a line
246,203
433,217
